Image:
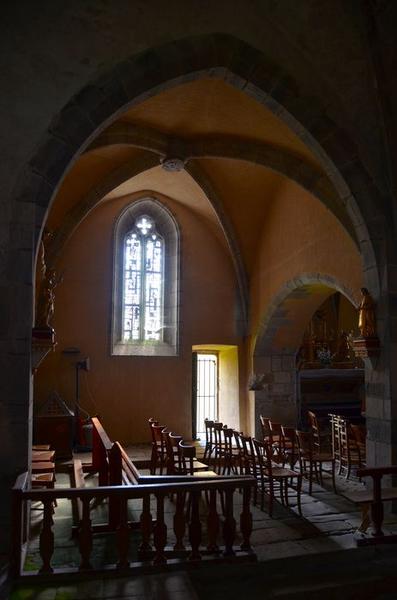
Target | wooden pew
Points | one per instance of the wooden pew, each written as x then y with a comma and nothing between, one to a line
371,503
101,446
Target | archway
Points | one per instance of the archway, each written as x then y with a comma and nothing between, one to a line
280,339
88,113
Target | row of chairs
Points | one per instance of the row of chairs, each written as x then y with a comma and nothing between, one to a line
229,451
304,447
348,445
170,454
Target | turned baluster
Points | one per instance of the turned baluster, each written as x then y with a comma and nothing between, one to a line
85,536
213,523
47,538
146,525
377,507
179,521
229,525
195,527
160,532
123,535
246,520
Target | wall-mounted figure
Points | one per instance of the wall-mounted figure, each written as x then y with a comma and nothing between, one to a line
366,315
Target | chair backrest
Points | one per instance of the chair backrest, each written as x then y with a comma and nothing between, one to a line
358,434
228,437
315,430
335,421
157,436
187,454
288,438
265,427
209,431
248,454
263,456
173,452
305,444
152,422
218,433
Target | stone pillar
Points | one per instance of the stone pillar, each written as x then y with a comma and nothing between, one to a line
278,400
15,356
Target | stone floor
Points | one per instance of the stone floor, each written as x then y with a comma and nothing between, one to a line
324,538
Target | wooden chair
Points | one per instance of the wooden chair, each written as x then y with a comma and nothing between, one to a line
174,464
350,455
289,450
265,427
219,446
359,437
335,438
209,440
232,454
321,439
158,454
270,477
275,441
311,462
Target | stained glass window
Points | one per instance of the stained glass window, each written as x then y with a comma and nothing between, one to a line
143,283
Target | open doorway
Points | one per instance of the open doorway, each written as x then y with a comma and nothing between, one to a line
215,386
205,391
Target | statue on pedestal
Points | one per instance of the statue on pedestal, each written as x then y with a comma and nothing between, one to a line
45,308
366,315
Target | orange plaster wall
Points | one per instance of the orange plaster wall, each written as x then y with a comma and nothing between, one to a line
300,236
125,391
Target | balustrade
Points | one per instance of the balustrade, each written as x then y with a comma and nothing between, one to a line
192,531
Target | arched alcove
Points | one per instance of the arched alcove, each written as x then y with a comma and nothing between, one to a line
280,338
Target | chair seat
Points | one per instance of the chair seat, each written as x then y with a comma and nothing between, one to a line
206,474
43,455
280,472
43,467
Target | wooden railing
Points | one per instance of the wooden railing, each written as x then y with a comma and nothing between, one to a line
153,549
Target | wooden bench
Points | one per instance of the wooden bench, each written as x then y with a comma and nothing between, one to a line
371,504
101,446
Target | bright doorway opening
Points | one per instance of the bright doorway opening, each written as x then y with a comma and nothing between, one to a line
215,386
206,399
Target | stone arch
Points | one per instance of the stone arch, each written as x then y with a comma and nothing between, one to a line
217,55
100,102
279,338
279,160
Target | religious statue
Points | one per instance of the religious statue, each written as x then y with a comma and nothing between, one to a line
366,315
45,308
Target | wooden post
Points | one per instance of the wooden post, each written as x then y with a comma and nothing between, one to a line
179,521
17,521
115,478
229,526
213,523
195,527
47,538
123,535
146,526
377,507
85,536
246,520
160,532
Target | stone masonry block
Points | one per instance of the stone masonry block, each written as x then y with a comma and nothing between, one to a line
276,363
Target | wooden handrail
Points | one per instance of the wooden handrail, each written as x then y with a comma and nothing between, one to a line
377,471
131,492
